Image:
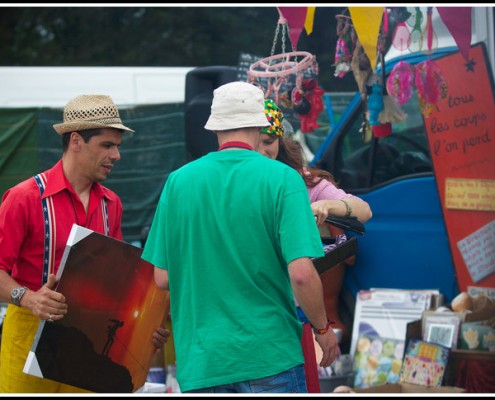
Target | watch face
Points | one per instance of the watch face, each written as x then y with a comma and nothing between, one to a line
16,294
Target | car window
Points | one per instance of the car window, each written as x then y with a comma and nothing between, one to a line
361,165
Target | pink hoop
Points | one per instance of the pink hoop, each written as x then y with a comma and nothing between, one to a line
283,66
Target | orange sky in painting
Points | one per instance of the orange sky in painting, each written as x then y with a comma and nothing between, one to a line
106,279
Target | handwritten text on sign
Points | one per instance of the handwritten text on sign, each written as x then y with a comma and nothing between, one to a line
478,252
470,194
460,122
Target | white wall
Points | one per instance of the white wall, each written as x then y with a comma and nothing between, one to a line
54,86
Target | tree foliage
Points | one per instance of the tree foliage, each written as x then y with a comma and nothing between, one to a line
155,36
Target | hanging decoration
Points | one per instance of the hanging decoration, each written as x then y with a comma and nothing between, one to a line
290,79
391,111
431,86
345,45
401,38
430,83
415,21
361,68
342,59
308,104
400,83
375,103
429,41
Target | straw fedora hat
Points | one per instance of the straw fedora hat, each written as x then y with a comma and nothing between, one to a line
90,111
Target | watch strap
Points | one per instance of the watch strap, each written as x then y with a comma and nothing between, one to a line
16,295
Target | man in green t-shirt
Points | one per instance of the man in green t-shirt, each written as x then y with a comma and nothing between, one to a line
232,240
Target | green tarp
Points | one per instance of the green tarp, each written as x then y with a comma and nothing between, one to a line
28,145
18,145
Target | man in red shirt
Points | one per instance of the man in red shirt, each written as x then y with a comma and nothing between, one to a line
36,217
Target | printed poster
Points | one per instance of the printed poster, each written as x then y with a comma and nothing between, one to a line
104,343
385,313
377,361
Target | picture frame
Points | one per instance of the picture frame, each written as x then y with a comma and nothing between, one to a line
441,334
424,363
441,328
104,343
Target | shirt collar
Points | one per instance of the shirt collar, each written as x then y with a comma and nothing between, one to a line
57,182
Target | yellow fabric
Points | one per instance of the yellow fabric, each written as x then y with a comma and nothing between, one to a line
169,347
367,22
19,328
310,19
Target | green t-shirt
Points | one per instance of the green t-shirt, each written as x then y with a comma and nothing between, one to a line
226,226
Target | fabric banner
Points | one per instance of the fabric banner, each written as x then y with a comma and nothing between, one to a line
296,18
458,22
18,146
28,145
367,22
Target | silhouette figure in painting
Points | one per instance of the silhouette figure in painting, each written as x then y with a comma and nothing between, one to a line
111,332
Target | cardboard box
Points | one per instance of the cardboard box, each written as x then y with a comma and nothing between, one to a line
486,311
408,388
329,383
477,336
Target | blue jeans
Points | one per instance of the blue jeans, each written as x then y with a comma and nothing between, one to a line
291,381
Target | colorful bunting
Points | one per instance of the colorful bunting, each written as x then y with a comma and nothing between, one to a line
367,21
310,19
458,22
296,17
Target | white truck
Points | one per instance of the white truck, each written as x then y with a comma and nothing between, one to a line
54,86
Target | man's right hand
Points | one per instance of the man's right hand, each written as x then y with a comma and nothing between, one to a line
46,303
329,344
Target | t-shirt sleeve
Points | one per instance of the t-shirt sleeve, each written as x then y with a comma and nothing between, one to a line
299,235
155,247
325,190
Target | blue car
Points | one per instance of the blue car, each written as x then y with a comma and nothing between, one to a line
406,244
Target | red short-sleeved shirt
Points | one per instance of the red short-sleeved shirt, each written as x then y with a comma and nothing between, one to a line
22,223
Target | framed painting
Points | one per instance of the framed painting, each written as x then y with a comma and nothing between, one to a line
104,343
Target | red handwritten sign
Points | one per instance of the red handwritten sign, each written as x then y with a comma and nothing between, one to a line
461,135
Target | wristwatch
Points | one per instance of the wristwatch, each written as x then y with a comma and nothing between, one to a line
16,295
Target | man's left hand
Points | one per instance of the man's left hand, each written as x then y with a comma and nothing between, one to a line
160,337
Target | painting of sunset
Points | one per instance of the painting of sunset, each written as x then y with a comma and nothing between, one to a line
104,343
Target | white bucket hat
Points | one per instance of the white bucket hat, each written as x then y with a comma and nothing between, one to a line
90,111
237,105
